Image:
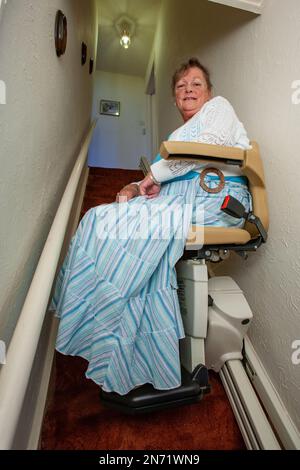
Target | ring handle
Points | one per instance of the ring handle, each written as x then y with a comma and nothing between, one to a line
219,173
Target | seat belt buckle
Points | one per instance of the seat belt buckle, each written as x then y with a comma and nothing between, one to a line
234,207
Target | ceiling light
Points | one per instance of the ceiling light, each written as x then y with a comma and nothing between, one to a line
125,28
125,40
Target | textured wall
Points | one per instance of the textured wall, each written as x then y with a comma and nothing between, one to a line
119,142
255,63
46,115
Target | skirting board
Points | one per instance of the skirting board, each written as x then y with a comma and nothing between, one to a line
38,416
282,422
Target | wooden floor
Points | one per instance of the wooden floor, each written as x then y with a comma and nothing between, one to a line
76,419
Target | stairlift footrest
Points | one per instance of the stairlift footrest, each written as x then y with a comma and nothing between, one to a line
147,399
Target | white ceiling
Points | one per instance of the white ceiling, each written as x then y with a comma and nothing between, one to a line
111,56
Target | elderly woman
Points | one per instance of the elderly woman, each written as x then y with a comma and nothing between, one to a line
207,120
116,293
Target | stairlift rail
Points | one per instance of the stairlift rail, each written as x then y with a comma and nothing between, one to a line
14,376
252,420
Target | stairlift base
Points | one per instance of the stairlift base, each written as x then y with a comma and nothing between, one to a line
228,317
216,316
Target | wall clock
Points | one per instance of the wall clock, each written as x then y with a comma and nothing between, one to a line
61,33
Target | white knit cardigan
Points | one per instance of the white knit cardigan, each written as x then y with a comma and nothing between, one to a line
216,123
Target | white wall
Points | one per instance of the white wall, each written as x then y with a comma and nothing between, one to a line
254,61
46,115
119,142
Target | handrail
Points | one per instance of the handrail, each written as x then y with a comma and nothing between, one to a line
15,374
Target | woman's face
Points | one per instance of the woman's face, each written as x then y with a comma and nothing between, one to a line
191,93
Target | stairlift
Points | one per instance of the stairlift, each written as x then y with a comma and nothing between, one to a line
215,313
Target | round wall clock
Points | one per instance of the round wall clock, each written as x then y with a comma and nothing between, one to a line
61,33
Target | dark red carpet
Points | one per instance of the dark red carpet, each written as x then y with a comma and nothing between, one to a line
77,420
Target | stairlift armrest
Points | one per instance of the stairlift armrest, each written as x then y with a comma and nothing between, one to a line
204,153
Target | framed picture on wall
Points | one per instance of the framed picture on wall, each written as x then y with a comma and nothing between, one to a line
110,108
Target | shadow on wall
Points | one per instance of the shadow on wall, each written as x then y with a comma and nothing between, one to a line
196,34
81,17
181,35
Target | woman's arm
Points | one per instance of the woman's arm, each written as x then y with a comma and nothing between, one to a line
165,170
148,187
128,192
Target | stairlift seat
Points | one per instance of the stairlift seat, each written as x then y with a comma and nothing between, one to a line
216,236
228,314
251,166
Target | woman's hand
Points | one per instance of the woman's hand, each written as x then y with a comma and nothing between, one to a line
128,192
149,188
